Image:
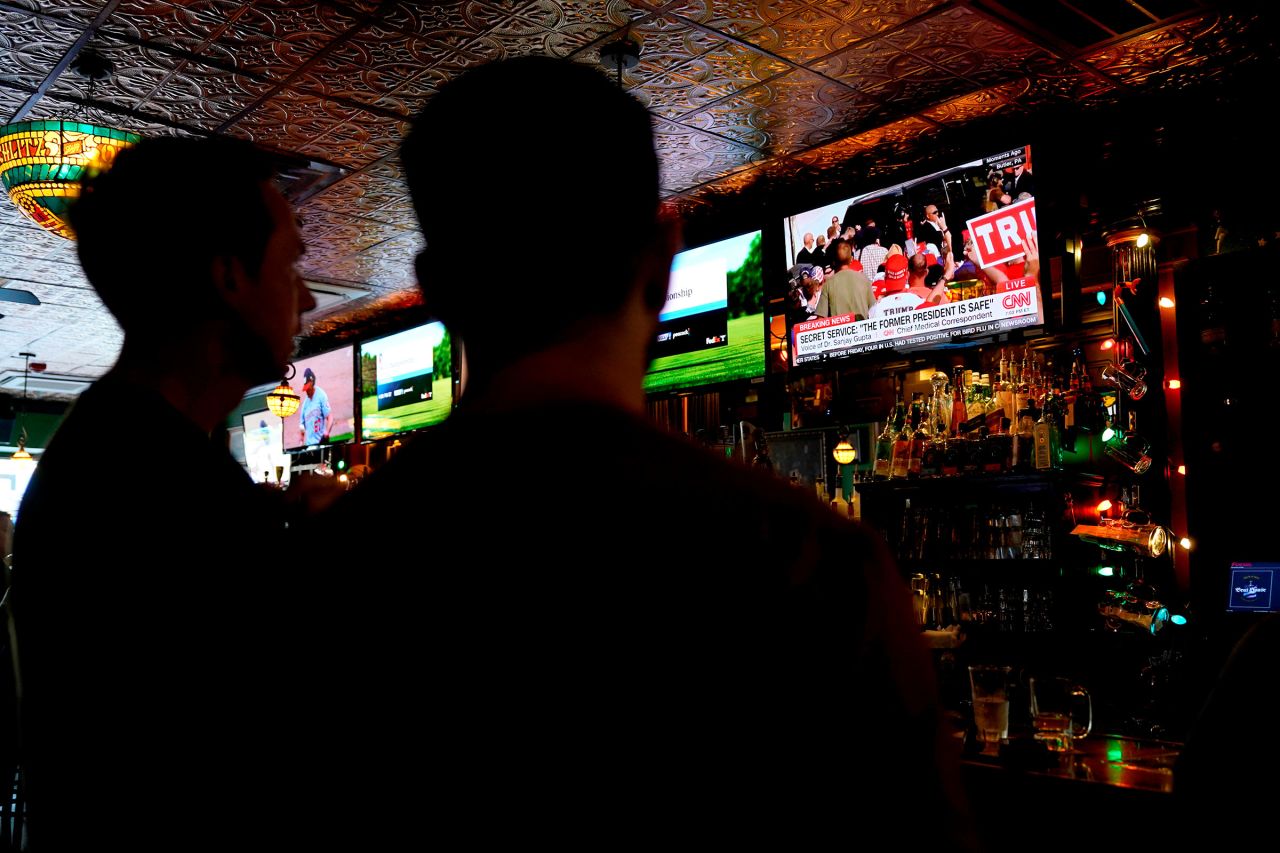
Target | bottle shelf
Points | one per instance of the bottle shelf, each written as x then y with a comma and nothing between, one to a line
1036,481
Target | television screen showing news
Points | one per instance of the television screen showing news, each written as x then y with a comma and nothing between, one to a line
264,456
934,261
405,381
712,326
327,414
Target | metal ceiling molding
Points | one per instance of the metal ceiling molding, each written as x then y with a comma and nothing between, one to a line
743,92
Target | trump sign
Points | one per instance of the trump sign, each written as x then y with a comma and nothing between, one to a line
998,236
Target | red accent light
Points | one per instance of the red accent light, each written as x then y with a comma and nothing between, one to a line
1103,507
1108,343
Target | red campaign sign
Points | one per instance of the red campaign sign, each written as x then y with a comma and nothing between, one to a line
997,236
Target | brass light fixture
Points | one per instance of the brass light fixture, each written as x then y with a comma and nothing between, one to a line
22,454
283,401
844,452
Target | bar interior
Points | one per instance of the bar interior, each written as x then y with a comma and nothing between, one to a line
1054,409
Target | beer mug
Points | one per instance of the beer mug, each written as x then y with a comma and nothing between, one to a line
1129,378
1061,712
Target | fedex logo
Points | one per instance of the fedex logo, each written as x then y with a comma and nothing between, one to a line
998,236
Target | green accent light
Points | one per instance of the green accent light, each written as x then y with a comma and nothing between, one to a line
1115,753
1178,620
342,464
1102,297
1108,434
1106,571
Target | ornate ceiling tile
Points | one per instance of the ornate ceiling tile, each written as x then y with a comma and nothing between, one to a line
389,53
1131,62
291,121
676,101
79,13
977,104
733,118
398,249
31,46
801,36
1061,80
282,18
554,14
188,25
411,16
10,101
359,195
865,19
913,94
388,169
957,29
53,107
737,67
772,10
250,51
871,65
363,141
734,17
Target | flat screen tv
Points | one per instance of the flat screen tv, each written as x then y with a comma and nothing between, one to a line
712,327
264,456
1253,587
976,280
405,381
327,415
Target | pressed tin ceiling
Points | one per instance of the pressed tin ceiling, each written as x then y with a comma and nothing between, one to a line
741,91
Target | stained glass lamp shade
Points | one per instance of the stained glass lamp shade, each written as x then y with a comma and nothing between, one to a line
41,163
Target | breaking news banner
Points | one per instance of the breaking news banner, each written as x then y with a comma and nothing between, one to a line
998,236
832,337
1006,159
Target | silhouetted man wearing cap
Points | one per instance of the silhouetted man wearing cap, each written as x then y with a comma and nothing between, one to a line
683,645
158,712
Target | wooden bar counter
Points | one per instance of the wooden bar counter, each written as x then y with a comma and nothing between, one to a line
1108,793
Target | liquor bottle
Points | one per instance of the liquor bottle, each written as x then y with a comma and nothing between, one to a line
1089,411
959,410
931,459
919,442
884,453
839,504
1024,440
1022,393
1048,452
820,486
902,453
855,501
997,447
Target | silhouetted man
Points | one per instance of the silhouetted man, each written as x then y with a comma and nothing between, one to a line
155,713
640,638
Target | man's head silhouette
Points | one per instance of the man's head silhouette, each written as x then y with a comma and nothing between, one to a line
567,148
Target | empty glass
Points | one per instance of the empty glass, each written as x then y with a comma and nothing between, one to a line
1130,450
1061,712
1129,378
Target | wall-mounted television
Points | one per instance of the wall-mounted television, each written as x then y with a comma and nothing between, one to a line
405,381
992,285
712,327
264,456
327,414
